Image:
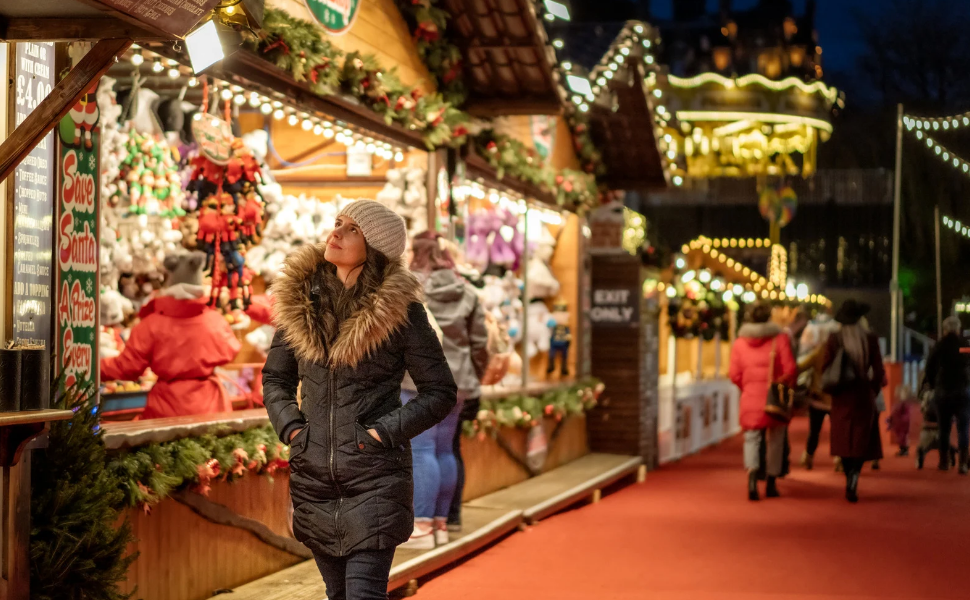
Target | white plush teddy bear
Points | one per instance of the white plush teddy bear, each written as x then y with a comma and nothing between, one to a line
114,309
542,283
538,329
392,193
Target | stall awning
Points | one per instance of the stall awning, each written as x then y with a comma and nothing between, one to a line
509,63
90,20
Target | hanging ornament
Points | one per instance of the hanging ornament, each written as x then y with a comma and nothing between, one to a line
778,206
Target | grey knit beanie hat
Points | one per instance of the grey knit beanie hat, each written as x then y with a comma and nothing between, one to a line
384,230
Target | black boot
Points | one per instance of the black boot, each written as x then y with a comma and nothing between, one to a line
944,457
852,486
753,485
920,456
964,461
771,491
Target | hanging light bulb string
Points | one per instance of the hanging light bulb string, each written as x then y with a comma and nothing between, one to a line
941,151
955,225
937,123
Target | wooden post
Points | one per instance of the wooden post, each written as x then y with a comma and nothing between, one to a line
57,104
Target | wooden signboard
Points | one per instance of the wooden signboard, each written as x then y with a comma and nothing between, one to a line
175,17
33,194
624,355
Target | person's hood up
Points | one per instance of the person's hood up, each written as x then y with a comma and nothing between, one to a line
444,286
758,333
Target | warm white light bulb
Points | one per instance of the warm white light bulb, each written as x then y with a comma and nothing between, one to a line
399,156
328,133
226,93
265,108
307,124
293,120
239,99
278,114
254,100
157,66
173,73
137,58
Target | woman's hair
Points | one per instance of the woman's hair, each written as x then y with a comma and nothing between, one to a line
856,343
336,302
429,255
757,312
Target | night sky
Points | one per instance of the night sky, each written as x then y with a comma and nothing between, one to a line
837,30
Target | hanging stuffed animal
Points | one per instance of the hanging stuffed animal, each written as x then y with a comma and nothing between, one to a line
542,283
476,245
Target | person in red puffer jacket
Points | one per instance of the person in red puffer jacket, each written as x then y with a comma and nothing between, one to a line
758,340
182,340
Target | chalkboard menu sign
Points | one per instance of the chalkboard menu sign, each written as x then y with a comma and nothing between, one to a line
33,203
176,17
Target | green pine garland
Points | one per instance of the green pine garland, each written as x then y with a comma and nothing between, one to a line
442,57
299,47
149,474
523,411
509,156
78,549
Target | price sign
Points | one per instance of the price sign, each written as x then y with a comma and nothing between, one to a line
33,203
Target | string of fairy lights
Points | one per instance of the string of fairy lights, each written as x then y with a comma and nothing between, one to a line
920,127
279,108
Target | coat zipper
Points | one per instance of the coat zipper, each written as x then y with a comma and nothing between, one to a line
333,472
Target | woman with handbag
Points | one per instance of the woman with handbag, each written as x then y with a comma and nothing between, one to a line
853,376
763,367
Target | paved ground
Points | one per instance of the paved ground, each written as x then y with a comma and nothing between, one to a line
690,533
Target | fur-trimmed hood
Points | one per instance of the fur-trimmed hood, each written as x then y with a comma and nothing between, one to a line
379,315
759,331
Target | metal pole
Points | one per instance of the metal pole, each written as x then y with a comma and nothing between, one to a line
894,287
939,284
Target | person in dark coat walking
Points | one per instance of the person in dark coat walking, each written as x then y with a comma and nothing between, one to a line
948,375
350,323
854,419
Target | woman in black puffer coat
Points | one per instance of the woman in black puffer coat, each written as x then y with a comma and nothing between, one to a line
350,323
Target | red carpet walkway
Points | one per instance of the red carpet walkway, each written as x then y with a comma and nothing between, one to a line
690,533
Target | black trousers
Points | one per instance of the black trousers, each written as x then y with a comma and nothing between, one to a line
469,411
852,465
953,411
359,576
816,417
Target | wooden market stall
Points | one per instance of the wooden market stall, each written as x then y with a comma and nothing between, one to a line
703,296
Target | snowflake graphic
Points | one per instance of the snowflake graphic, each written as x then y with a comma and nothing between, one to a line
89,286
92,162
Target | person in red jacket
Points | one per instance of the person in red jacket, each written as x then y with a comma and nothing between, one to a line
759,341
182,340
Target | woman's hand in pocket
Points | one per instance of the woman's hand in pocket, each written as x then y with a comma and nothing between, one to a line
373,433
295,433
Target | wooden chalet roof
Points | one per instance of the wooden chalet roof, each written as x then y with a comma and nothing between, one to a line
622,119
511,68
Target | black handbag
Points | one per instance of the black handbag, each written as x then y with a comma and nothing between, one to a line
781,398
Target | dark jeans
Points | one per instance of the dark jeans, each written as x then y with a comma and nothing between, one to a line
361,576
953,409
816,417
469,410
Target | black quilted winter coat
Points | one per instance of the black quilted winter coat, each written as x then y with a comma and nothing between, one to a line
351,492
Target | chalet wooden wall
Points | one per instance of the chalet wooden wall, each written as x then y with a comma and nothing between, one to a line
488,468
380,30
185,557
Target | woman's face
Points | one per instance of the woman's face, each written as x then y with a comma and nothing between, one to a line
345,244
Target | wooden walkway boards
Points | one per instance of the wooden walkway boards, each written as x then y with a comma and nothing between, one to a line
486,520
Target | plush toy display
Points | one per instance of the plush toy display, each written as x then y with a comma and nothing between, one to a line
542,283
560,338
406,194
115,308
538,340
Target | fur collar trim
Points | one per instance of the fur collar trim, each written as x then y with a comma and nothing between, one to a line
380,314
759,330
